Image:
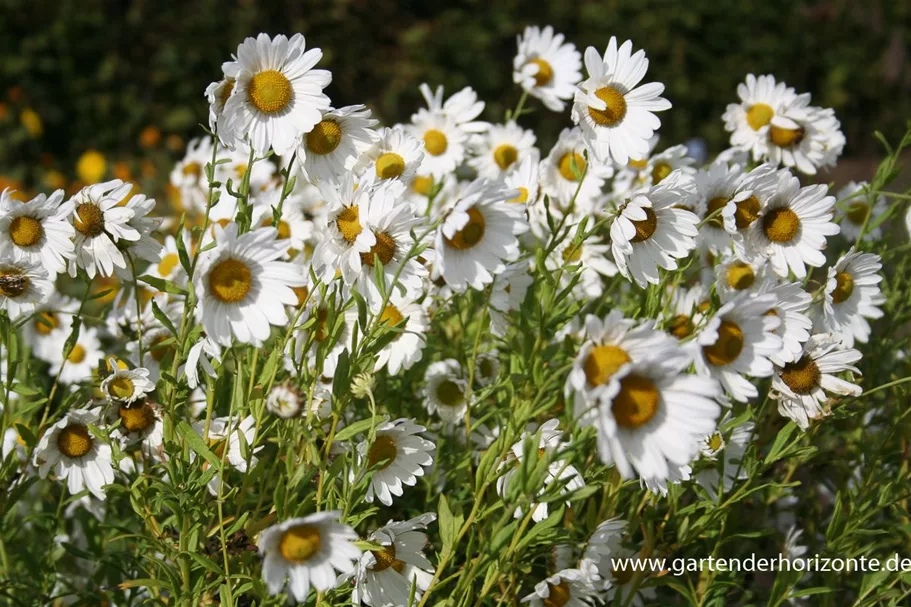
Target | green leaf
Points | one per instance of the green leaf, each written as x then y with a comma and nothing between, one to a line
163,319
166,286
778,449
356,428
197,444
450,524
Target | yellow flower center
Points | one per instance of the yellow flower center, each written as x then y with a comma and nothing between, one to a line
74,441
715,205
450,393
566,165
522,197
802,376
121,388
192,169
136,419
602,362
545,72
759,115
389,165
646,227
422,185
226,91
391,315
348,223
230,281
505,155
384,249
727,347
13,284
785,138
637,164
572,254
781,224
660,171
269,91
325,137
299,543
470,234
383,449
844,287
716,442
857,213
77,355
89,220
615,110
558,596
636,403
48,323
747,212
385,558
740,276
167,264
158,350
435,142
681,326
25,231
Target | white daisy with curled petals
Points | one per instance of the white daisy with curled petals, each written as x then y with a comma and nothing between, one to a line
335,143
126,386
652,230
37,230
615,112
547,67
479,235
399,454
276,97
804,137
445,390
24,285
853,295
310,551
739,341
242,286
77,456
100,222
687,311
802,387
792,228
791,305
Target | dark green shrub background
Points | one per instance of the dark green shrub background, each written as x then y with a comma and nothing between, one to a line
98,72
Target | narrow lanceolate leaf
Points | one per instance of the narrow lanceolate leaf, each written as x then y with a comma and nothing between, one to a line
197,444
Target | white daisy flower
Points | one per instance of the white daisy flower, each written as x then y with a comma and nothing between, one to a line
738,341
687,311
803,387
330,334
146,247
24,285
749,121
507,294
126,386
262,171
295,230
547,67
652,414
395,155
722,198
188,176
611,343
568,588
400,455
726,447
735,275
614,111
336,142
560,181
445,391
54,313
284,400
100,221
486,368
605,545
224,441
140,423
444,142
652,231
82,361
242,287
792,228
479,235
218,92
559,472
70,449
202,353
307,551
524,178
410,321
277,96
384,578
791,305
852,295
36,230
804,137
654,170
853,209
502,149
463,107
594,264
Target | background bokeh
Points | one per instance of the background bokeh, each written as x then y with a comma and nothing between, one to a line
126,78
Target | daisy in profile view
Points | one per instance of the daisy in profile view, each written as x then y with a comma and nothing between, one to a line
852,296
615,111
307,551
276,97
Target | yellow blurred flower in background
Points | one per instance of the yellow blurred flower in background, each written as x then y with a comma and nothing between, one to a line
149,137
91,166
32,122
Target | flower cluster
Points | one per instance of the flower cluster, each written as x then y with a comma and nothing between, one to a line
342,334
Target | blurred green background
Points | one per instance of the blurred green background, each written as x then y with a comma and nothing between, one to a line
127,78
